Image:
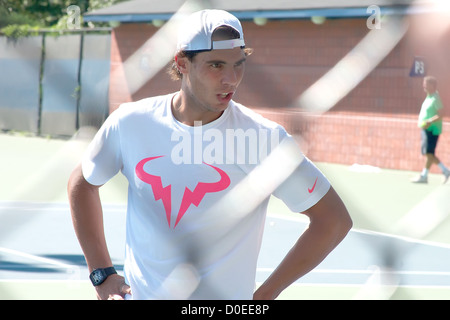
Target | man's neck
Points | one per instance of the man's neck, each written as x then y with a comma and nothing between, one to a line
185,111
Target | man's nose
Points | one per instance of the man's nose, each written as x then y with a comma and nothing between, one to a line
230,77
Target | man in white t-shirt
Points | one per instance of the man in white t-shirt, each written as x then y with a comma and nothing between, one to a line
201,169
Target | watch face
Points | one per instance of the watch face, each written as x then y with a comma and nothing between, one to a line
97,277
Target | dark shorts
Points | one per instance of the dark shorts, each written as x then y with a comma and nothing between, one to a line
429,142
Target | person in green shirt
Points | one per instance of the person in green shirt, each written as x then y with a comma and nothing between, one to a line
430,121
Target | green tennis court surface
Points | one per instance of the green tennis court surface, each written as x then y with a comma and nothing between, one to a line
399,247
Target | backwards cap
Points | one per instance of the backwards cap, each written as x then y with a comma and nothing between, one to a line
196,31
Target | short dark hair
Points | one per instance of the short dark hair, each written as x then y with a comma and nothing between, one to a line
431,80
222,32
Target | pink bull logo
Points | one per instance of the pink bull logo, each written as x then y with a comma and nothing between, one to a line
189,197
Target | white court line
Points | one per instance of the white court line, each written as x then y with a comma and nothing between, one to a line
353,285
350,285
372,271
369,272
78,281
272,216
32,207
39,259
367,232
53,206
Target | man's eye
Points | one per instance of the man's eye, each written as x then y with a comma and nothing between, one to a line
240,63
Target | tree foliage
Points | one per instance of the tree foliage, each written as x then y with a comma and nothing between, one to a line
22,16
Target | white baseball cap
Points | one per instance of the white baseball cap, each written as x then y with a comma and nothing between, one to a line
196,31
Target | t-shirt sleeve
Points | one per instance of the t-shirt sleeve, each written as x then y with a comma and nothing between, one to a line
102,159
304,187
438,104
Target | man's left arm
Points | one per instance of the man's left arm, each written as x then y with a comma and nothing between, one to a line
433,119
437,106
329,224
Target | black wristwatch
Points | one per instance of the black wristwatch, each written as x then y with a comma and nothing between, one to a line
98,276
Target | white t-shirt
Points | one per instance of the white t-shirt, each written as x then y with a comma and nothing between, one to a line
193,230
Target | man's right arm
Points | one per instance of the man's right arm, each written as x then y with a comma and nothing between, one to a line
87,218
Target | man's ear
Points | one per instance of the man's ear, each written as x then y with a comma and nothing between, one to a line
182,63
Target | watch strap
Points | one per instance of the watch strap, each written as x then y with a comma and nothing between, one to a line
98,276
109,271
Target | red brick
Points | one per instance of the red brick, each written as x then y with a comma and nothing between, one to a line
374,124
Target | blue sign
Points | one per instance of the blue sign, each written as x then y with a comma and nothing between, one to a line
418,68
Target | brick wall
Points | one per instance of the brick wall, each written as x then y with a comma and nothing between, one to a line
375,124
385,142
